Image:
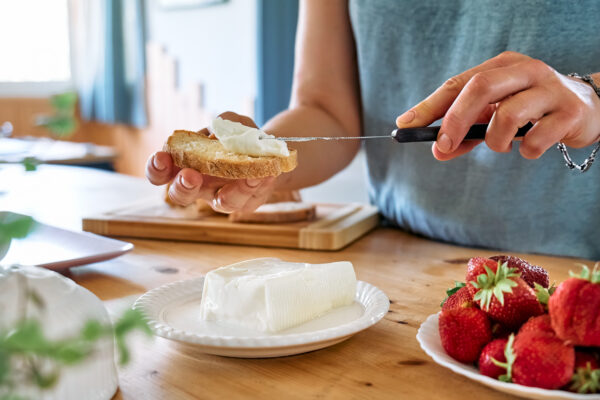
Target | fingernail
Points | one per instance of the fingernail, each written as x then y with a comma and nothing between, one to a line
406,117
218,205
185,183
158,164
253,182
444,143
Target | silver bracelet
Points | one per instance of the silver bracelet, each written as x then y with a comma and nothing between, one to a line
587,163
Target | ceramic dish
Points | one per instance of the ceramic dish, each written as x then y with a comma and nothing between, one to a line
429,339
58,249
173,312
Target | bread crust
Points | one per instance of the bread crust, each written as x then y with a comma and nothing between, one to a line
277,213
250,168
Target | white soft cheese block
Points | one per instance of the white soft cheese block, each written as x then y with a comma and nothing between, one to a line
270,295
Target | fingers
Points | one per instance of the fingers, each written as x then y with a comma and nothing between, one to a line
261,196
545,133
185,187
242,119
515,112
463,148
435,106
234,196
160,169
486,88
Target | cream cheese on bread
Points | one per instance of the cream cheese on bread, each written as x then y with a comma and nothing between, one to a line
242,139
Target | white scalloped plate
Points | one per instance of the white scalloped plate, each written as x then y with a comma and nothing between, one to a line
429,339
173,312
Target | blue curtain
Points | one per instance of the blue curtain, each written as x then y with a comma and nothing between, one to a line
277,20
117,91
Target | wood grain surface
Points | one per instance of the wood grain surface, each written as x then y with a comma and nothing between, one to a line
383,362
335,226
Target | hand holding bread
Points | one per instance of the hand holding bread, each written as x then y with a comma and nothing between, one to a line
199,168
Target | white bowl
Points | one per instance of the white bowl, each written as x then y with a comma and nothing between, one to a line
67,306
429,339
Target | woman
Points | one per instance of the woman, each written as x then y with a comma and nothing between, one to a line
360,63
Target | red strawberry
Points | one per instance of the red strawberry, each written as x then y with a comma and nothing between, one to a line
494,350
538,360
476,267
464,332
500,331
504,296
584,360
540,324
586,378
461,299
575,309
529,273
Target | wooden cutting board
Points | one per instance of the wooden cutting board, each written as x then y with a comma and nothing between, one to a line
335,226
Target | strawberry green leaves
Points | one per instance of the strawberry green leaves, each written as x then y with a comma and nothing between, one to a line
587,275
494,284
449,292
585,380
510,355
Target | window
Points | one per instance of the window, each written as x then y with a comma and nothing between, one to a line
35,48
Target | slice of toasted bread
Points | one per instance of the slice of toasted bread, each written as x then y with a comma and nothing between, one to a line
277,212
197,151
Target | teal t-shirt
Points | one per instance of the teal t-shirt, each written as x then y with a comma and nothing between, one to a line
405,50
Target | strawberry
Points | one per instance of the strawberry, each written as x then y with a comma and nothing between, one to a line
461,298
494,350
575,309
464,332
538,360
584,359
504,296
476,267
540,324
586,377
500,331
531,274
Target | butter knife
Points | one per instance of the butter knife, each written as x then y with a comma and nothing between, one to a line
409,135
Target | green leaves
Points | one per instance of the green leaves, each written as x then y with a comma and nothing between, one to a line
510,356
30,163
63,122
494,284
93,330
27,343
15,226
586,380
449,292
64,102
59,125
593,276
4,366
130,321
542,293
26,336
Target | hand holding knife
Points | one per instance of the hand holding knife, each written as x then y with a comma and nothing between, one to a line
409,135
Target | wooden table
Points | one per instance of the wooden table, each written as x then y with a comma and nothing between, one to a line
382,362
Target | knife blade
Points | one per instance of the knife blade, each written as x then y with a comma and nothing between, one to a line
409,135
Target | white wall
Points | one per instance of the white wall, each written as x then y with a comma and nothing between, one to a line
213,45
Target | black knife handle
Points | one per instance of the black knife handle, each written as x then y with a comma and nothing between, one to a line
430,133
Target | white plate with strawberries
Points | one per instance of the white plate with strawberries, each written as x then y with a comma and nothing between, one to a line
429,339
506,329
